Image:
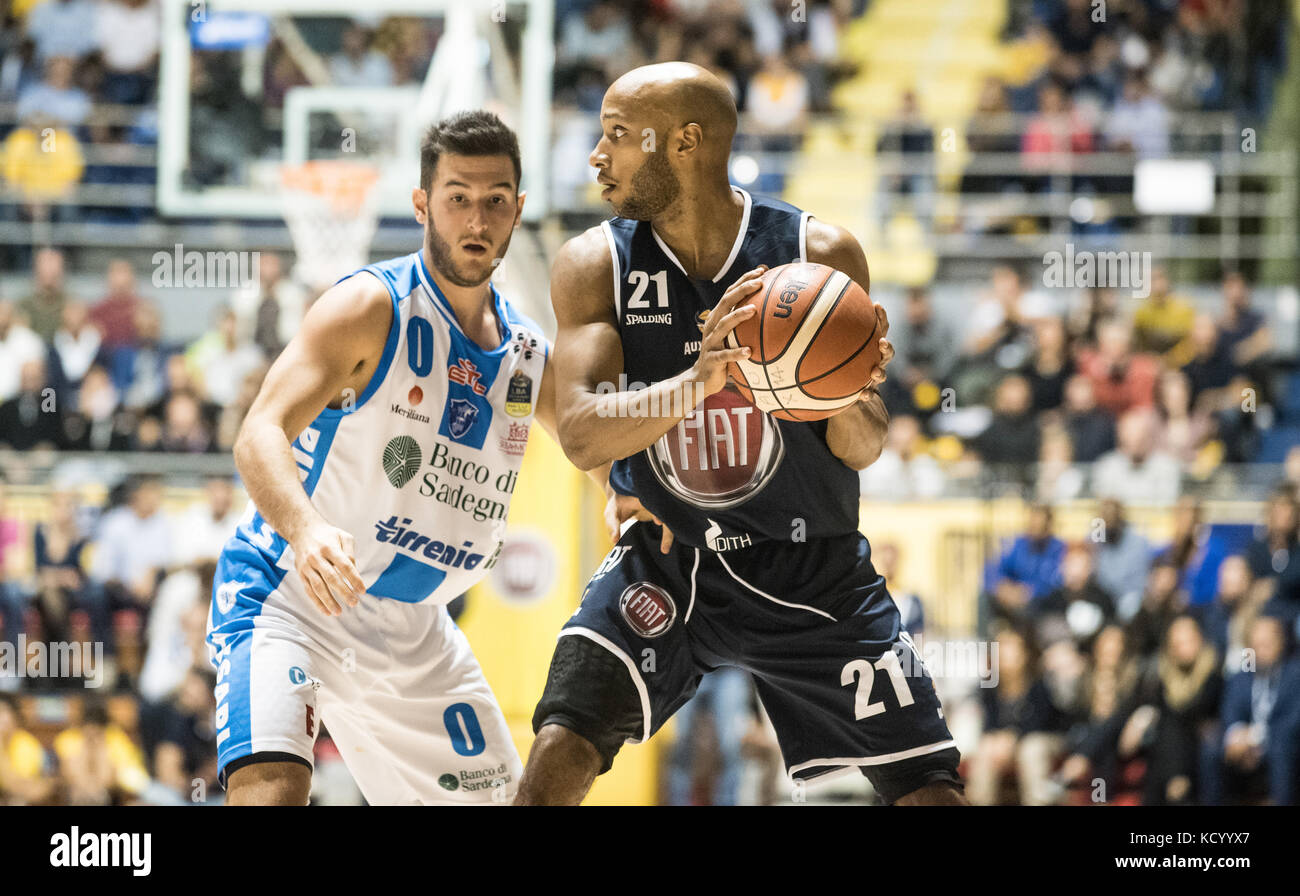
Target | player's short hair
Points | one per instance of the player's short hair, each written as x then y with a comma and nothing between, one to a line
476,133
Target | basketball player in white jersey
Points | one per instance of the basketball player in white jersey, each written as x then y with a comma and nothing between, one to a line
380,457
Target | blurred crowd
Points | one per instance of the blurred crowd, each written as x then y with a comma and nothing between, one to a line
1141,674
86,373
1074,393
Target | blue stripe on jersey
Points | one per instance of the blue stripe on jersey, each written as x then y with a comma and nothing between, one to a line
390,274
467,414
245,578
407,580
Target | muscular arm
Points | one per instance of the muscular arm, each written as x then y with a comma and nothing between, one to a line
546,416
856,435
593,422
333,355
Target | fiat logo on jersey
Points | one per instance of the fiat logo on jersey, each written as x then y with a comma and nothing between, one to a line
647,609
721,455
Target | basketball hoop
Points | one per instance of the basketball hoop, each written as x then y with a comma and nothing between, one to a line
332,215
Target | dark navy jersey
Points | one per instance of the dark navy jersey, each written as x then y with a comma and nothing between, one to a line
729,475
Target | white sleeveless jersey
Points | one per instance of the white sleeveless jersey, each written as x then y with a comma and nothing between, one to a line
421,467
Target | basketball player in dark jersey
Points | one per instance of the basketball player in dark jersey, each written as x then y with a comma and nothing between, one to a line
758,563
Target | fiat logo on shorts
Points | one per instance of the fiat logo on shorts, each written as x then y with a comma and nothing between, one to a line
648,609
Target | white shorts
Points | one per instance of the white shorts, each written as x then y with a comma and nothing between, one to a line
396,684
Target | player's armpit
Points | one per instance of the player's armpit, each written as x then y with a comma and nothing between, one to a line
338,346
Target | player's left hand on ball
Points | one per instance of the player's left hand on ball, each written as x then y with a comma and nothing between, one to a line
886,350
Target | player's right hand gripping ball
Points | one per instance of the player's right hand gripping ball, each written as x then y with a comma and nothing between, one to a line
813,342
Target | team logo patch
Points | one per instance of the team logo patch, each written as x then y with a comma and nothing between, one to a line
461,417
647,609
519,395
449,782
401,460
702,318
467,374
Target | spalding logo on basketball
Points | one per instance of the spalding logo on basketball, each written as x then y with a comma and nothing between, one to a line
647,609
721,455
813,343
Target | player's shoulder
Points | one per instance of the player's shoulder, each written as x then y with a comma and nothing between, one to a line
586,258
837,247
359,309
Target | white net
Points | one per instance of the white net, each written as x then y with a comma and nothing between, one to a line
332,213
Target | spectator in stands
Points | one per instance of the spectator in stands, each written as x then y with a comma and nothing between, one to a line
115,314
1193,551
18,346
927,342
1139,121
903,470
186,751
182,430
989,132
1051,366
1183,431
1227,618
62,28
1211,367
1078,608
1123,558
98,423
1122,379
1162,602
1135,470
1059,478
1055,133
25,777
912,139
724,695
357,64
129,33
43,306
777,104
223,360
73,349
32,419
177,625
1242,329
60,548
999,337
1092,430
1091,743
232,415
1261,720
885,558
140,368
98,763
12,540
1029,569
1012,436
270,317
205,527
57,99
1178,704
132,551
1021,725
1163,322
594,38
1271,551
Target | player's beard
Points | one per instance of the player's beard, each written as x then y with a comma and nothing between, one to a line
654,187
440,256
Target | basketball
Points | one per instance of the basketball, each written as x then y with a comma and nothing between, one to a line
813,342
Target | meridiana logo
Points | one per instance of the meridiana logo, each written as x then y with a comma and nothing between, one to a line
402,457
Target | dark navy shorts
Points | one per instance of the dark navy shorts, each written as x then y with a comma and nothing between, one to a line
811,621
